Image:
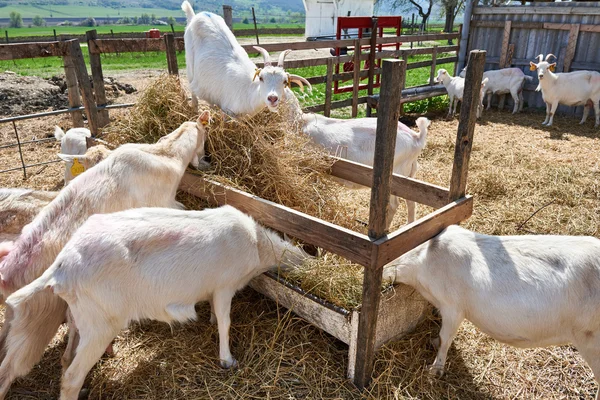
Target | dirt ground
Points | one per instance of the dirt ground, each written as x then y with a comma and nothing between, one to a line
517,168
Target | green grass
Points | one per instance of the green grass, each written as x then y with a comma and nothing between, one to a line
80,30
46,11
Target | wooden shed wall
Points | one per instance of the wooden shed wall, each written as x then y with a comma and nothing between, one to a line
539,36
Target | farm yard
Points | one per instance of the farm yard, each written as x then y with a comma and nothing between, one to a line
525,179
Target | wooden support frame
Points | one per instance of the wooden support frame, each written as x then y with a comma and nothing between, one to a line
571,46
375,324
98,79
171,51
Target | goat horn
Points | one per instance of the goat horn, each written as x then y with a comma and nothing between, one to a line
265,55
549,56
540,58
282,57
300,81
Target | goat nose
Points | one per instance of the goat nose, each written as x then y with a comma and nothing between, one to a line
273,99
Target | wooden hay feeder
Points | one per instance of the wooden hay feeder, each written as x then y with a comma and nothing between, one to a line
382,317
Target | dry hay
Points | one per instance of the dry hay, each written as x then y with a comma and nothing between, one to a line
517,167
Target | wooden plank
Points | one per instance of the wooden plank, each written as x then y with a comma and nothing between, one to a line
427,63
19,51
332,322
466,124
98,79
372,54
356,78
83,79
433,64
410,236
571,47
335,105
509,56
351,245
567,27
73,91
533,10
505,40
127,45
430,50
387,125
328,88
172,66
500,24
407,188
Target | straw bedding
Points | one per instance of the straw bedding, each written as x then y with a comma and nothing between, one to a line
516,168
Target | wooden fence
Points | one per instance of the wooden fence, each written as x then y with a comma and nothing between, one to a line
515,35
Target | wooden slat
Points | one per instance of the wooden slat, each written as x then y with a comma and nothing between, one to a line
356,78
509,56
412,235
83,80
127,45
533,10
567,27
534,25
351,245
19,51
172,66
466,124
433,64
429,50
571,47
427,63
372,54
98,79
407,188
335,105
73,91
328,88
505,40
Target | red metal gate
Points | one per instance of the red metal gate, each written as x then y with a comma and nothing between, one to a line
363,23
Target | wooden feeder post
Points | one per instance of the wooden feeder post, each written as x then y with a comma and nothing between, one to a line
466,124
385,143
171,53
83,79
98,79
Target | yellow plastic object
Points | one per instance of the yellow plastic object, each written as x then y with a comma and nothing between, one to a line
77,168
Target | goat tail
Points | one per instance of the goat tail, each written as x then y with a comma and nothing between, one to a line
58,133
189,11
529,78
24,294
423,124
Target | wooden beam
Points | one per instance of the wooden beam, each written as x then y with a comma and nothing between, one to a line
535,25
466,125
172,66
567,27
509,56
83,79
505,40
401,186
433,64
73,91
410,236
372,54
98,79
328,88
351,245
335,105
19,51
127,45
533,10
571,47
385,142
356,78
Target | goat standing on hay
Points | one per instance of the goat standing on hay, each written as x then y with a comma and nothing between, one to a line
455,86
526,291
134,175
155,264
578,88
220,72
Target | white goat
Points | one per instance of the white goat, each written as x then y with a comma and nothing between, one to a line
526,291
354,139
220,72
154,263
455,86
134,175
503,81
579,88
73,142
18,207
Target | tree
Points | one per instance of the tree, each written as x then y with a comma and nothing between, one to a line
245,21
273,20
171,20
423,7
451,9
15,20
38,21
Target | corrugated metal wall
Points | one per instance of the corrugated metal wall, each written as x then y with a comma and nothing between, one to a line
534,31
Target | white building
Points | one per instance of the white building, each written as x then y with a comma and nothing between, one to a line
321,15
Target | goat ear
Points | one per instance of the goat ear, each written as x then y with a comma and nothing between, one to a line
532,66
552,67
204,118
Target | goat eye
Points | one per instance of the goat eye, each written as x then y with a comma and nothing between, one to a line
261,79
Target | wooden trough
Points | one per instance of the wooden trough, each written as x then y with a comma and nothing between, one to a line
382,317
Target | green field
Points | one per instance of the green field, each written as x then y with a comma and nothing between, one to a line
46,11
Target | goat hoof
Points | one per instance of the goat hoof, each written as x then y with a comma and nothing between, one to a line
84,394
227,364
213,319
436,370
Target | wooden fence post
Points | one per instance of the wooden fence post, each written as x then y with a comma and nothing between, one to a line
171,54
356,78
372,53
228,16
466,124
385,143
98,79
72,89
84,83
328,87
571,46
433,64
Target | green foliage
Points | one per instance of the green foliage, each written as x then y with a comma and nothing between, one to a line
273,20
245,21
15,20
89,21
144,19
38,21
171,21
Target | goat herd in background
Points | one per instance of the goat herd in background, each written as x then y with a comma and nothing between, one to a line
72,259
